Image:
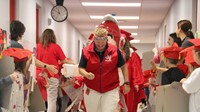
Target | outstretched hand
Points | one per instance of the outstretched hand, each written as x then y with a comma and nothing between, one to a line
154,67
183,80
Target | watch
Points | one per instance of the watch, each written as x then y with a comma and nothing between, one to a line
59,13
45,66
127,83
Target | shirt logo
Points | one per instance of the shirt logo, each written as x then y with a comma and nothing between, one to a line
108,58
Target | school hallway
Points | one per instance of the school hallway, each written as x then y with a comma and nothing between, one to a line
99,50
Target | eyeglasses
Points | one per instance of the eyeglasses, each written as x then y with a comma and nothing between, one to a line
101,38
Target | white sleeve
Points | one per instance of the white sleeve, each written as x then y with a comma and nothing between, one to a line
191,85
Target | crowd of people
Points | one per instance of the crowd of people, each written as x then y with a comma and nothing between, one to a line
110,76
181,60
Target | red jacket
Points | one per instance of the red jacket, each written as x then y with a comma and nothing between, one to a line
106,72
136,76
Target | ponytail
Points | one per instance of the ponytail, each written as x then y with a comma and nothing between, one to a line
186,26
190,34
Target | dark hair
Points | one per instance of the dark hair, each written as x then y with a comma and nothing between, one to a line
48,37
175,38
186,27
20,67
110,36
126,49
173,61
17,29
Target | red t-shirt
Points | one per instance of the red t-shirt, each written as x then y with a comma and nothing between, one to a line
50,55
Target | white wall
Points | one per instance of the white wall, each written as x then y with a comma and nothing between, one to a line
198,15
180,9
5,15
26,13
67,35
141,48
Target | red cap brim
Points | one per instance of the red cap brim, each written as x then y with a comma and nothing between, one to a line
18,54
172,52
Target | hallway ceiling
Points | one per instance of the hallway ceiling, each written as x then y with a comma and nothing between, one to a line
151,15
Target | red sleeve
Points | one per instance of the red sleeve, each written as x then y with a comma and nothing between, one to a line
60,54
137,73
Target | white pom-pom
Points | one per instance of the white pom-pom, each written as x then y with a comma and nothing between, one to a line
110,18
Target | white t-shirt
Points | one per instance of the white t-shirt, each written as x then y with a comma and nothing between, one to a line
191,86
17,95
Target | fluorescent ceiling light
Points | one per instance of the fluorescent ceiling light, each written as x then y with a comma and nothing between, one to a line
111,4
135,41
116,17
134,34
128,27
